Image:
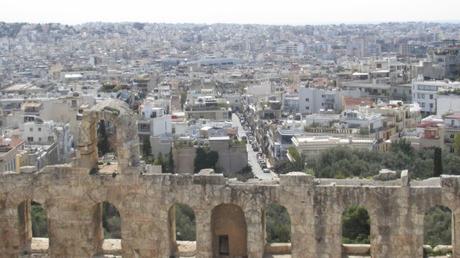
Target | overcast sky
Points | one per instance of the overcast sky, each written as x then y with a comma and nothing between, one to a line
296,12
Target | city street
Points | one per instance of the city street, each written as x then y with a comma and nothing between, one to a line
252,155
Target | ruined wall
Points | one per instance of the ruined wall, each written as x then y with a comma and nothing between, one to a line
71,197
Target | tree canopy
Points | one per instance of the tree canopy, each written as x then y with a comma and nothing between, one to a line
343,162
185,223
356,226
278,224
205,158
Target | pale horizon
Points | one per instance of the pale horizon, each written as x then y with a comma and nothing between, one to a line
287,12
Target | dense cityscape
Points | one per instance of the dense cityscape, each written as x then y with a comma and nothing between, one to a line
252,104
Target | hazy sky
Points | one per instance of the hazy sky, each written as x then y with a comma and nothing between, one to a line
229,11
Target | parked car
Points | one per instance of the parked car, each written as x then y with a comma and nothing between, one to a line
266,170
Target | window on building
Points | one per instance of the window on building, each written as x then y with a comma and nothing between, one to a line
431,96
307,108
31,129
39,129
431,105
307,99
39,139
30,139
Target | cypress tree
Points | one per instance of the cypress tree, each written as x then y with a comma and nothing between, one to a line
437,159
103,142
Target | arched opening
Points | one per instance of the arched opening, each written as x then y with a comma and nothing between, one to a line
438,232
106,133
356,231
277,230
111,229
229,232
33,228
182,231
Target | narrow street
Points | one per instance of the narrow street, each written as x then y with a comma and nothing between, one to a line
252,155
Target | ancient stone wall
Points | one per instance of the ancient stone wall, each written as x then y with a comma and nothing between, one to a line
72,199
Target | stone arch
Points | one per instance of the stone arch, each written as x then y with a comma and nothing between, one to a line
356,230
229,231
278,229
108,229
33,227
182,240
438,230
126,141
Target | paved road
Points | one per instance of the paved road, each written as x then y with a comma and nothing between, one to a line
252,155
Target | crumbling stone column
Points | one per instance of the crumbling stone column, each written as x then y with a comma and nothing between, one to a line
380,234
144,228
71,229
450,186
299,186
255,230
127,143
87,146
456,233
328,224
203,233
407,227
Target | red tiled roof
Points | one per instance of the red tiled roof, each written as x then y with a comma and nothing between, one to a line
350,101
15,141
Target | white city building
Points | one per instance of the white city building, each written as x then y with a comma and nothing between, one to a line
447,102
156,126
313,145
425,93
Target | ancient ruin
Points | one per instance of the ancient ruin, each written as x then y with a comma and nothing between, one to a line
229,214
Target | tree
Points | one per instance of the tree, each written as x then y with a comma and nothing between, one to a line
103,142
39,221
437,162
438,226
170,161
111,222
355,226
456,144
451,164
185,223
278,224
146,148
205,159
159,161
183,98
403,146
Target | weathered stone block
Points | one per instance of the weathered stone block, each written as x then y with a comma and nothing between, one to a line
296,179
